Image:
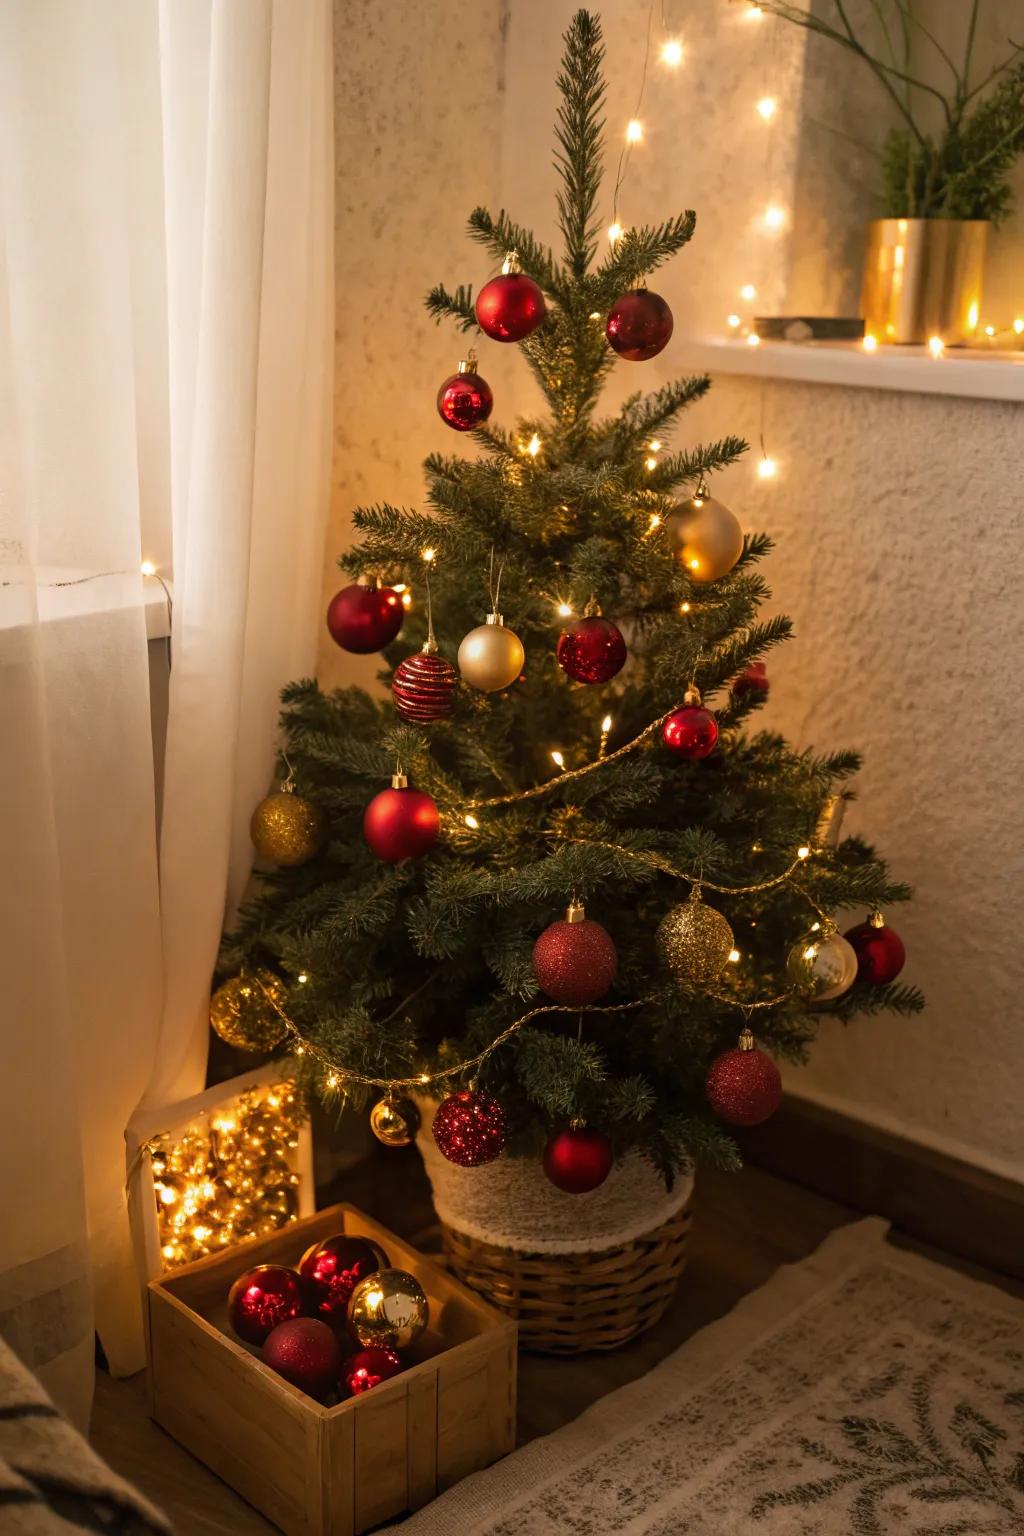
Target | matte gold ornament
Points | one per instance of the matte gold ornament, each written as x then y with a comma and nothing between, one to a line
394,1121
243,1015
388,1308
694,941
491,656
286,828
823,965
707,536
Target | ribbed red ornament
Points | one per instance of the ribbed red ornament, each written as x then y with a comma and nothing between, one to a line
464,400
509,307
690,732
401,823
881,953
752,682
364,619
591,650
744,1085
469,1128
578,1159
424,688
263,1297
305,1352
333,1268
367,1368
639,325
575,959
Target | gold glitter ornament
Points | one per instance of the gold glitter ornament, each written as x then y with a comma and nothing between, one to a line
286,828
823,965
242,1014
388,1308
694,941
707,536
491,656
394,1121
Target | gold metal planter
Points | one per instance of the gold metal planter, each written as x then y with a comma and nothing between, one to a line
922,278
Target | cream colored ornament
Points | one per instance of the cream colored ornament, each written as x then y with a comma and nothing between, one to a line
823,965
694,941
707,536
491,656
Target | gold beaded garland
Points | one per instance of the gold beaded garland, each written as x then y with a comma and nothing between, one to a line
287,829
394,1121
388,1308
242,1014
694,940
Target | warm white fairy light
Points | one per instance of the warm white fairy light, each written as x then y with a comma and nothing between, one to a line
734,956
533,446
803,852
427,555
406,599
558,759
767,468
655,444
147,568
615,232
655,521
564,611
634,131
990,330
753,340
748,292
302,978
870,343
774,217
672,52
767,107
398,586
471,821
684,607
651,463
734,322
1018,326
936,346
606,725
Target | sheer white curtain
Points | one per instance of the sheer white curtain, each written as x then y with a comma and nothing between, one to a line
165,343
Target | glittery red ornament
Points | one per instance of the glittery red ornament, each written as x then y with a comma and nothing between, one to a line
333,1268
469,1128
263,1297
690,732
364,619
306,1353
639,325
880,951
509,307
575,960
401,823
752,682
424,687
578,1160
743,1085
465,399
591,650
368,1368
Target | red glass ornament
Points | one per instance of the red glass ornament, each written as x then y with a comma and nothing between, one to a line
469,1128
424,687
509,307
743,1085
401,823
751,682
332,1270
578,1160
368,1368
306,1353
465,399
691,732
364,619
575,959
881,953
591,650
639,325
262,1298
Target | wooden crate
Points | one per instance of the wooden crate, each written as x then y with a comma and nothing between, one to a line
330,1471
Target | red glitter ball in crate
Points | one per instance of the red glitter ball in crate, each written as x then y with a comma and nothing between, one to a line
367,1368
263,1297
306,1353
333,1268
469,1128
424,688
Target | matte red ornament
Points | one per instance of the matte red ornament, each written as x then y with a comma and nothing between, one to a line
752,682
510,307
465,399
364,619
262,1298
575,959
401,823
469,1128
368,1368
591,650
578,1160
306,1353
639,325
880,951
424,687
691,732
333,1268
743,1085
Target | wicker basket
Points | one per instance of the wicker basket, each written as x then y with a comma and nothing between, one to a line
566,1303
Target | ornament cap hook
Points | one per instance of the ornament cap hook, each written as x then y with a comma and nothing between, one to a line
511,264
876,919
746,1040
575,911
496,619
692,697
399,780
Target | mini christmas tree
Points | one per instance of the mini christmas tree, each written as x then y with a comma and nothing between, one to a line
590,878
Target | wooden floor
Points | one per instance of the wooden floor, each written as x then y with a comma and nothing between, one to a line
746,1225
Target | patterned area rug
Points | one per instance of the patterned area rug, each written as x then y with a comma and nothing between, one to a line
865,1390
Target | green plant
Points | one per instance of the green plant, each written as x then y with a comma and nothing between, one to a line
961,171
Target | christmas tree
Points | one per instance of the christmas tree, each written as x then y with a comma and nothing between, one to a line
430,931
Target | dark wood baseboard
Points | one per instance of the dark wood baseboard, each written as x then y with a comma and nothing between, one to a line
935,1198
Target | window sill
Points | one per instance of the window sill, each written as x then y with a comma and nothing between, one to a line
63,593
973,375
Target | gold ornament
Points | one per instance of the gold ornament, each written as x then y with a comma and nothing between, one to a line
394,1121
242,1014
388,1308
823,965
491,656
694,941
707,536
286,828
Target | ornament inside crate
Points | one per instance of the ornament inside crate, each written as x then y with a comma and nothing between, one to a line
342,1469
